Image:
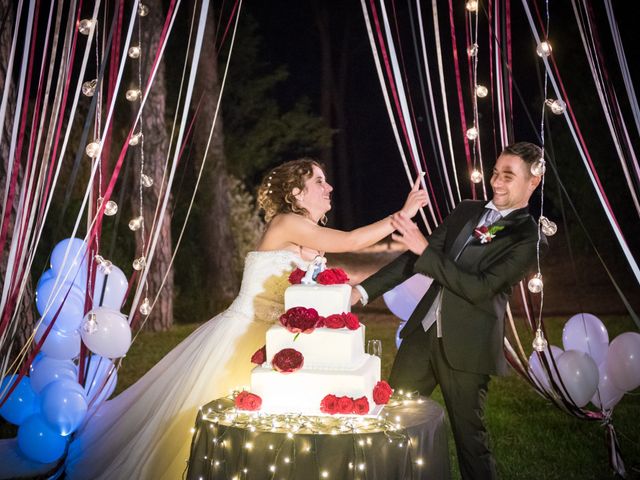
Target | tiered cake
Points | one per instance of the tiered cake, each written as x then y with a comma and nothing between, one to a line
334,366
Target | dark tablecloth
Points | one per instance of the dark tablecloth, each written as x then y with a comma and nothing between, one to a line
228,447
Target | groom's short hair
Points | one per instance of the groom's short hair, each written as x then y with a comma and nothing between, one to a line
529,152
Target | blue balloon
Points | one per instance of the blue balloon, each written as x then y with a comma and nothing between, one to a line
49,370
96,374
60,345
39,442
21,404
73,268
64,406
50,296
45,276
39,356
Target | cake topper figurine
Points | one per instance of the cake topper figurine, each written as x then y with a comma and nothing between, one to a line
315,267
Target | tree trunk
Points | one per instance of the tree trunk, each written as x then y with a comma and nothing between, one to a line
216,240
26,316
156,144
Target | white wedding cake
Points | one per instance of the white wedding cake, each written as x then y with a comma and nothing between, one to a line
334,366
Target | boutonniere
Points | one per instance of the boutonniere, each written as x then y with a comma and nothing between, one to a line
486,234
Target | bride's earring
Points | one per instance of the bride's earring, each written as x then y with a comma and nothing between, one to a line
324,220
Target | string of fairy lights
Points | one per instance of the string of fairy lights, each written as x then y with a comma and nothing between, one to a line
294,441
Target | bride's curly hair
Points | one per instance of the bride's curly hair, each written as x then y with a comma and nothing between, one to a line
275,194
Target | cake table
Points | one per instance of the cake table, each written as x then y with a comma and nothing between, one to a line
408,441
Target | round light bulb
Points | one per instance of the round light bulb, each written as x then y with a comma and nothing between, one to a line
136,223
111,208
548,227
143,10
472,5
98,258
93,149
557,106
472,50
539,342
139,263
135,139
481,91
535,284
134,52
145,307
146,180
133,94
476,176
89,87
543,49
106,266
84,26
90,324
472,133
538,168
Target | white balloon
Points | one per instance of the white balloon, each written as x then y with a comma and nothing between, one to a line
50,296
586,333
112,337
537,367
623,361
579,374
68,259
607,395
49,370
112,294
403,299
59,345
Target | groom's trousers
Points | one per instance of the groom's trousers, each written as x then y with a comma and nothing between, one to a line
420,365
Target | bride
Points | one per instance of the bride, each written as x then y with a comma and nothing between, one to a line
144,433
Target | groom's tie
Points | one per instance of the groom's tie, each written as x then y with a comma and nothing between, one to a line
489,217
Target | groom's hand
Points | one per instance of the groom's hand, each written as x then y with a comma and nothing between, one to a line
408,234
355,296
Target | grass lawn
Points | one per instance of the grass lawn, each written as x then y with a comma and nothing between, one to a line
531,439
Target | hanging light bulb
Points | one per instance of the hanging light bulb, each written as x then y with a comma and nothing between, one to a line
89,87
472,50
106,266
139,263
111,208
543,49
472,133
476,176
133,94
93,149
535,284
84,26
481,91
136,223
135,139
90,324
143,10
145,307
146,180
98,258
557,106
539,342
134,52
548,227
538,167
472,5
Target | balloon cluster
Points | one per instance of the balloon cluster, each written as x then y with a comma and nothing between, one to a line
590,368
50,404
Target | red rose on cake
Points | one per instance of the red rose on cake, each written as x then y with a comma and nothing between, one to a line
345,405
248,401
260,356
300,319
329,404
287,360
339,320
351,321
332,276
361,406
296,276
382,392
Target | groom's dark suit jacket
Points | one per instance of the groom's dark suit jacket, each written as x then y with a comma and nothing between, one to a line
476,286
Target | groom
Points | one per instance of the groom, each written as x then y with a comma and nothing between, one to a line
454,337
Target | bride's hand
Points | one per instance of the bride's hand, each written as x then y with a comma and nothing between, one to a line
416,199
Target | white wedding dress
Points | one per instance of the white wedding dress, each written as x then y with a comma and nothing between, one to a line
145,432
